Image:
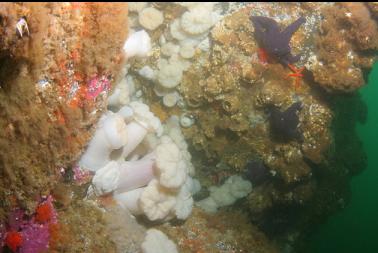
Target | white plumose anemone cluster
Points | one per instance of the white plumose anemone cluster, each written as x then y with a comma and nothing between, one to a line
197,20
186,33
138,44
123,131
233,189
122,92
111,134
145,167
136,6
147,72
150,18
179,44
171,99
169,76
168,49
157,242
168,188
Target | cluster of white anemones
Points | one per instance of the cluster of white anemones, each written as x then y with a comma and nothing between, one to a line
146,168
234,188
178,44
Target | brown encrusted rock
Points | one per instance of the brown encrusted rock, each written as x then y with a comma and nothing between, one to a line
46,112
345,44
267,196
373,6
81,228
221,232
234,89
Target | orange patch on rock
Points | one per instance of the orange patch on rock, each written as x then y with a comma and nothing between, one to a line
13,240
43,213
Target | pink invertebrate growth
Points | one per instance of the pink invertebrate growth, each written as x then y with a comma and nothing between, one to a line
97,85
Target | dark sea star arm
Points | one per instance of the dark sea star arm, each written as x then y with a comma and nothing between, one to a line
292,28
290,59
263,24
294,108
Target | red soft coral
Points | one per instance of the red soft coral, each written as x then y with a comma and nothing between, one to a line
13,240
44,212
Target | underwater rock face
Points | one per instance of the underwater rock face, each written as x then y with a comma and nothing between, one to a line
345,46
59,61
228,90
284,124
256,172
49,53
224,231
236,88
373,6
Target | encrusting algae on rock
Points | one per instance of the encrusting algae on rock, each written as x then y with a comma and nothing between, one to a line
47,105
345,44
215,107
234,96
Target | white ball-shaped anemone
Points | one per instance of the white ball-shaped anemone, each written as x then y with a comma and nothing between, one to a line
169,49
197,21
176,30
190,5
170,165
147,72
121,93
170,99
161,91
187,50
186,120
184,201
195,5
156,202
170,76
106,178
150,18
179,62
136,6
138,44
143,122
234,188
157,242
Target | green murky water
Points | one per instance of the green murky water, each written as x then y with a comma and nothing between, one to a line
355,229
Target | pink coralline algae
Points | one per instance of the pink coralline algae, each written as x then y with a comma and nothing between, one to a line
16,219
36,238
34,232
81,176
97,85
3,232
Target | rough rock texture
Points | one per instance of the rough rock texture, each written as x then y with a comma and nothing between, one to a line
81,228
345,47
373,6
237,91
229,93
223,232
48,106
124,230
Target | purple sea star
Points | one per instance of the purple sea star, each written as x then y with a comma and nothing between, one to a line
285,124
276,42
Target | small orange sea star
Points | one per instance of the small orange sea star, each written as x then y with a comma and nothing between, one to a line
297,74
